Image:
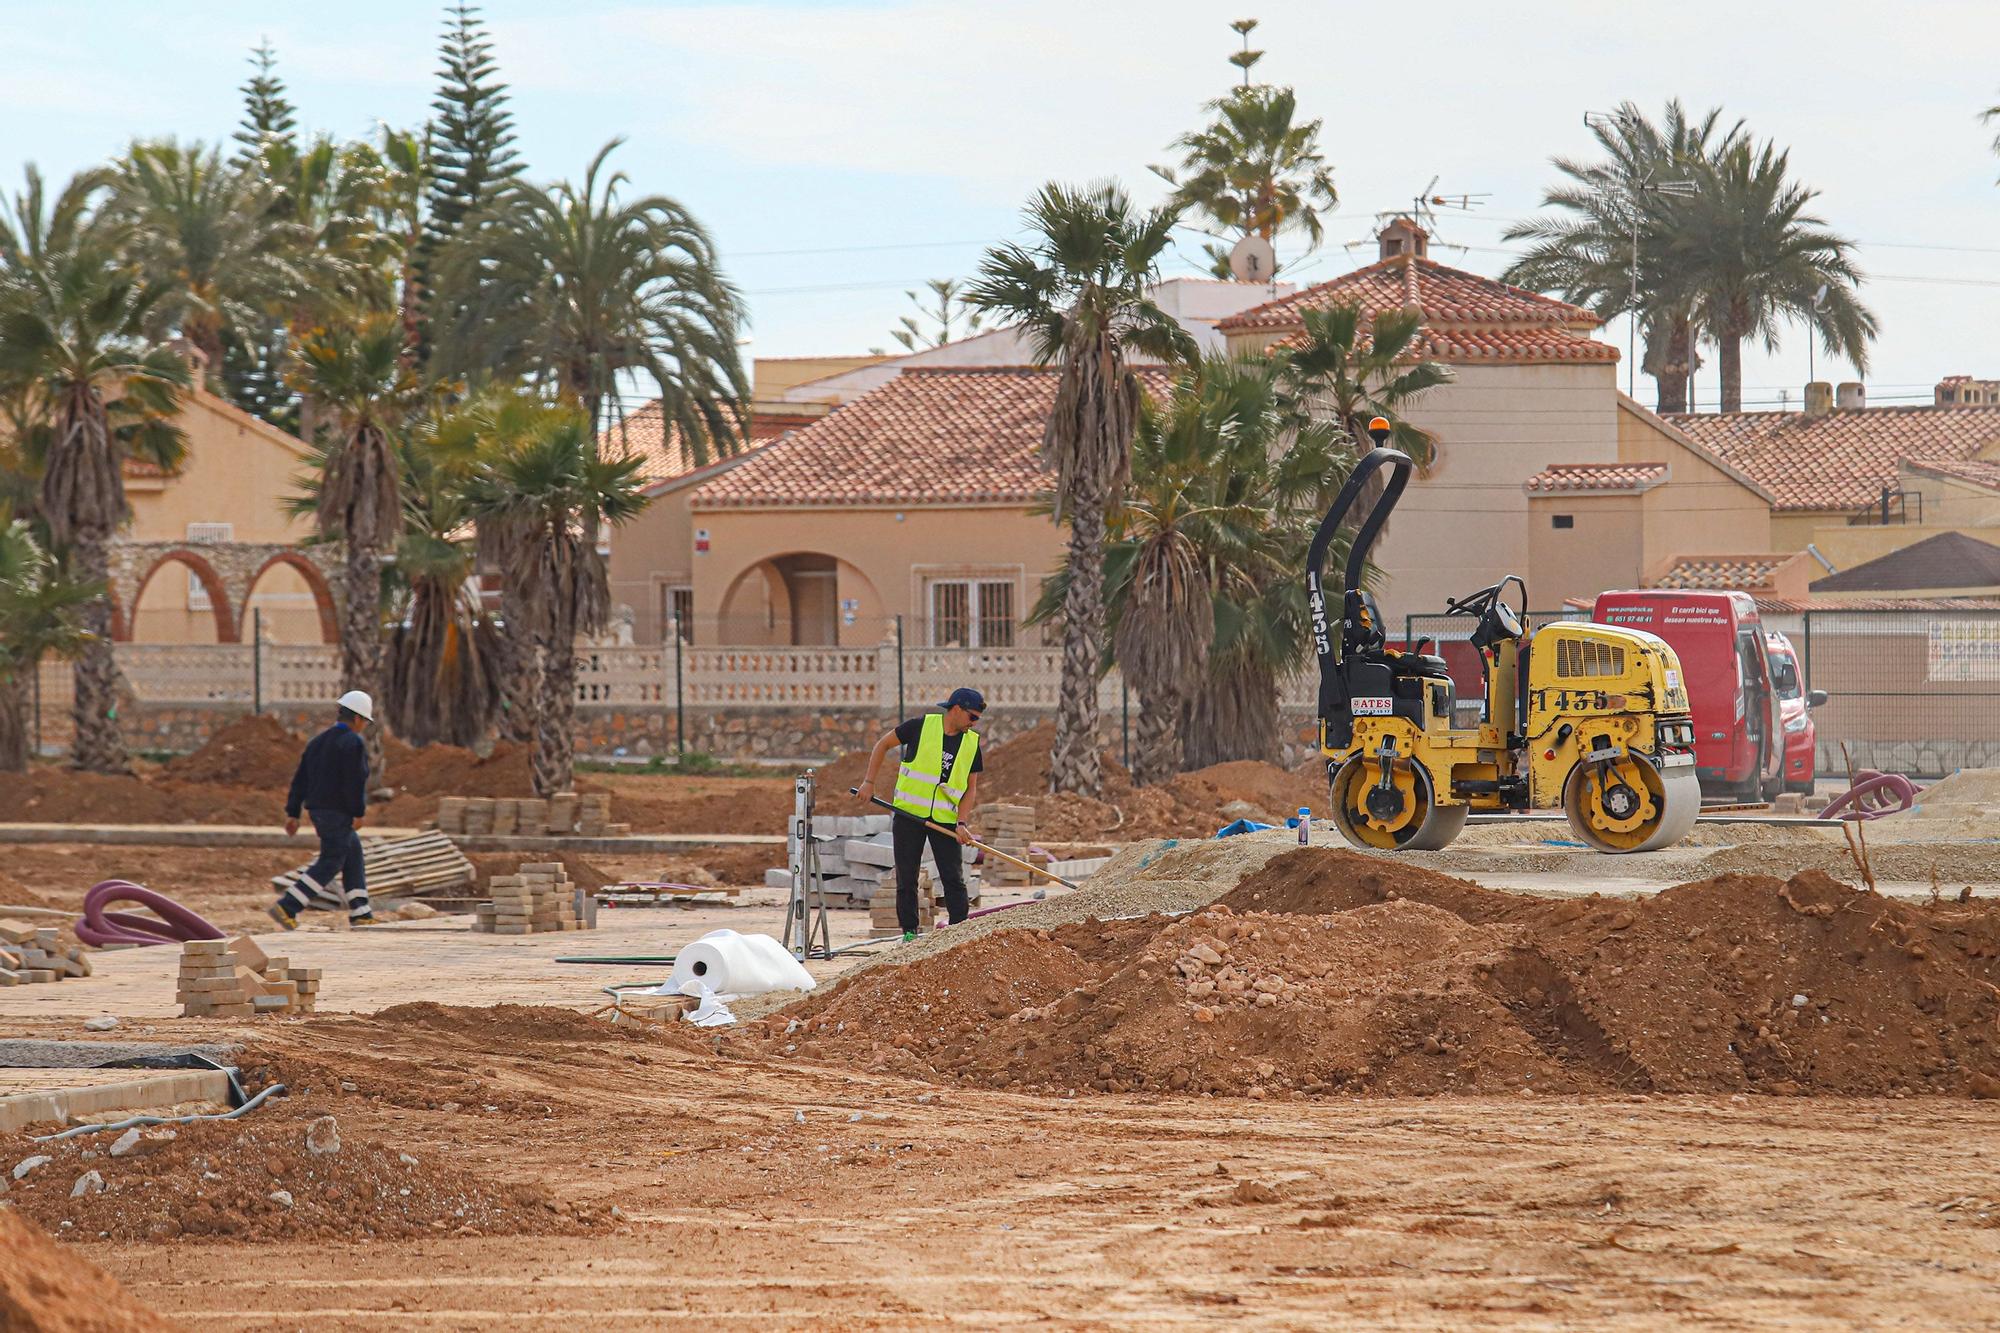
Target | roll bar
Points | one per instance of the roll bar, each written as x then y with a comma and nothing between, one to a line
1373,461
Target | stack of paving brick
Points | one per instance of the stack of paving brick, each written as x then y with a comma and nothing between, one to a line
855,851
882,909
236,979
30,954
1009,829
562,814
537,898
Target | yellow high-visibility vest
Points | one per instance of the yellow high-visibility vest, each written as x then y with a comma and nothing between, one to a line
922,787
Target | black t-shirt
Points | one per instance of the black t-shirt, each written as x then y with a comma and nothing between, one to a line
910,731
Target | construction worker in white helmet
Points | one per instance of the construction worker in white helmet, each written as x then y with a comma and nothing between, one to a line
331,787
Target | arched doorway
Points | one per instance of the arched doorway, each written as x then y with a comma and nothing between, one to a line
289,598
804,598
179,599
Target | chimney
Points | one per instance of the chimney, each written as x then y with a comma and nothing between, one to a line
1819,398
1851,397
1402,236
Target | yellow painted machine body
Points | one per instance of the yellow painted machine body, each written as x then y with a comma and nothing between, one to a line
1601,730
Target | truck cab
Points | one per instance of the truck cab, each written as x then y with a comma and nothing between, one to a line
1731,684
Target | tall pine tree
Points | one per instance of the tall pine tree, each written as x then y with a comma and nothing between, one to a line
471,141
268,115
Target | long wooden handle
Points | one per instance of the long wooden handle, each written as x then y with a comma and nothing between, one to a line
1028,866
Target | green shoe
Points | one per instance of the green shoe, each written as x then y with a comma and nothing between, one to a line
909,935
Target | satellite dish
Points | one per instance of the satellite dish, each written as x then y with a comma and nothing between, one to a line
1253,259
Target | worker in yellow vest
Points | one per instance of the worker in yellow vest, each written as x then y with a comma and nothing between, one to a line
937,781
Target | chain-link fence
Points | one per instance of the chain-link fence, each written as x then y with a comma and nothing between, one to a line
1908,692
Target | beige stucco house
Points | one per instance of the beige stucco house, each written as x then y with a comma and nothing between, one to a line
1544,469
233,487
916,500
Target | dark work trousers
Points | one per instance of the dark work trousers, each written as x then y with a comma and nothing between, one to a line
910,836
339,854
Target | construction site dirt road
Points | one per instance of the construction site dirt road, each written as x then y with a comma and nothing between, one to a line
775,1195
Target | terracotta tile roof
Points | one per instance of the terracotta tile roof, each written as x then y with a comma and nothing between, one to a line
1448,296
1598,477
661,452
1948,560
1973,471
960,435
1721,572
1793,604
1840,461
1467,317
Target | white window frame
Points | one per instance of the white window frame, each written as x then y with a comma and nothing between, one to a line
972,581
205,534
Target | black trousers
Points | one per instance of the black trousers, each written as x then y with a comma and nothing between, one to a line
339,855
910,836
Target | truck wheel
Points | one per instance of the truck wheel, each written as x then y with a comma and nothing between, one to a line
1611,822
1417,823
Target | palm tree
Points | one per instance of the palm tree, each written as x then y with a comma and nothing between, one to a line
1162,614
1344,369
354,369
76,357
1080,293
541,500
41,612
1760,260
1254,171
1245,481
1586,253
581,290
948,318
492,423
205,232
443,671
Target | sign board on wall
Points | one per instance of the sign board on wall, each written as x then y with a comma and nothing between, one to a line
700,540
1963,650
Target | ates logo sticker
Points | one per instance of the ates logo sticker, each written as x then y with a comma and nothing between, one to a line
1374,706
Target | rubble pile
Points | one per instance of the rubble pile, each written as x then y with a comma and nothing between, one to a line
1328,972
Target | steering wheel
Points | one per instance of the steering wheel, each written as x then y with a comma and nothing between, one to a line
1497,620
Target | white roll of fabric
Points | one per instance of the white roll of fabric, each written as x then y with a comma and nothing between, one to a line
729,963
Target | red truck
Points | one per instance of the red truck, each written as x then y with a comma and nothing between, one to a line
1739,749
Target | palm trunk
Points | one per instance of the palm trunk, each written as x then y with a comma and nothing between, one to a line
14,717
99,745
520,670
1729,357
1234,715
361,643
1077,764
1678,368
1156,757
554,760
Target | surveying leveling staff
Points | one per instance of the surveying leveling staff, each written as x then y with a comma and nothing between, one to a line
938,776
332,787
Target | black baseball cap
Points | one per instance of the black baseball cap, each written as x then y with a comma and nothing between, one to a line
971,700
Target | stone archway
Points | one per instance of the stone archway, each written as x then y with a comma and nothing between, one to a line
316,581
228,570
227,629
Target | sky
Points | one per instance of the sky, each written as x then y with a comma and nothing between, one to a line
841,153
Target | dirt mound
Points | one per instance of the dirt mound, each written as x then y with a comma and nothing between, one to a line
227,1180
501,1022
1393,980
446,770
252,751
59,796
1334,879
47,1289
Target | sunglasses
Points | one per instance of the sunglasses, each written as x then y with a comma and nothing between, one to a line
974,716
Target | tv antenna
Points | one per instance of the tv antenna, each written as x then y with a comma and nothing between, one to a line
1426,202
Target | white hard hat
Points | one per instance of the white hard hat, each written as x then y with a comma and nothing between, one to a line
358,703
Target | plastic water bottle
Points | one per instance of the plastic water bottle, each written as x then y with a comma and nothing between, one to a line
1305,825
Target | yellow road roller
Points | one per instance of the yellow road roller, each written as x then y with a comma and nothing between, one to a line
1589,719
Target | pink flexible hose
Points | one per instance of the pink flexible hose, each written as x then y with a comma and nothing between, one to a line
173,924
1872,796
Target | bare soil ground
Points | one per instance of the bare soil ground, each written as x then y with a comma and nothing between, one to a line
781,1195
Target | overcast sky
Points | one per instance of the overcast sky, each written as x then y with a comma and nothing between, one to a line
841,152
